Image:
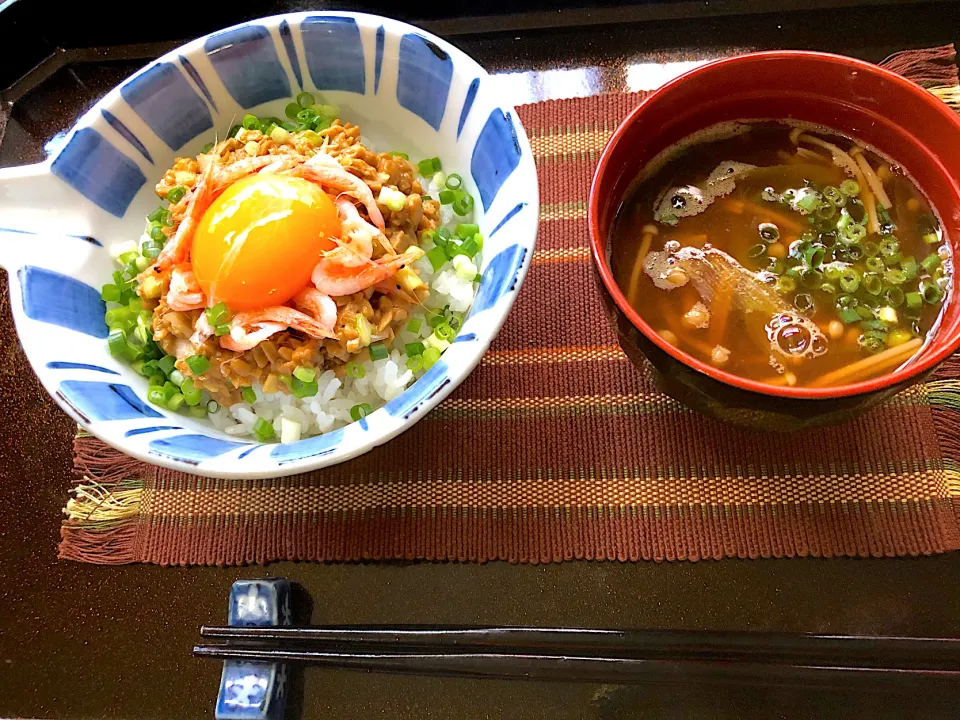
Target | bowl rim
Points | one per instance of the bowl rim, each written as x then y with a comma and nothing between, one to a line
235,464
605,272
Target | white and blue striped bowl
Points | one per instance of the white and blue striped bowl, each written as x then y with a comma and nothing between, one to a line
407,89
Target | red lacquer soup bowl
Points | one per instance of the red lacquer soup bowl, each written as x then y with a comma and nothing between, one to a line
855,98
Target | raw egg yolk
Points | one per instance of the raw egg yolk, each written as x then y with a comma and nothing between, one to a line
257,244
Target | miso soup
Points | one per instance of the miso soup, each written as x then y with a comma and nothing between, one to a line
783,253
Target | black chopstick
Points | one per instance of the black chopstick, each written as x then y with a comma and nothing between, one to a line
606,656
900,653
609,670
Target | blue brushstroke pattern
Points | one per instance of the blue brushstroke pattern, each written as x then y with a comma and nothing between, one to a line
246,60
85,238
428,385
58,299
311,447
126,133
92,166
242,455
334,53
105,401
195,76
291,49
378,60
147,430
167,103
495,156
423,82
468,337
467,104
193,448
65,365
499,278
506,218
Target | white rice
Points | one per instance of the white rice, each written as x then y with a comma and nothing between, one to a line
296,418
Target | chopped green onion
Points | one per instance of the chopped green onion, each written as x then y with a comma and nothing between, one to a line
221,330
250,122
166,364
358,412
155,395
463,205
175,401
471,247
429,167
454,181
871,249
871,343
447,197
848,315
303,388
355,370
430,357
117,343
169,390
198,364
436,318
909,267
445,332
292,110
306,374
930,291
176,377
158,380
263,430
831,193
156,233
786,284
330,111
931,262
249,395
850,188
155,216
895,277
889,246
401,155
192,397
813,256
414,326
826,211
914,301
853,233
875,264
931,238
213,406
478,278
110,293
175,194
218,314
198,412
894,297
467,230
872,283
207,148
849,280
415,362
437,257
305,99
414,348
757,250
809,202
452,249
831,272
378,351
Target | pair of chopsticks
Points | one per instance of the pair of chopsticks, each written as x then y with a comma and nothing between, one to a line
600,656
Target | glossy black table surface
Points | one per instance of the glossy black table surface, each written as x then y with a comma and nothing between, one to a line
79,641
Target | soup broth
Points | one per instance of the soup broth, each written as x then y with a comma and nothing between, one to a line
783,254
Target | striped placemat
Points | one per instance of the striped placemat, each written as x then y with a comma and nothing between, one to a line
557,448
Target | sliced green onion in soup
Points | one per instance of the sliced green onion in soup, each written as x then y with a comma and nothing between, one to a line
849,280
757,250
850,188
873,283
930,291
894,297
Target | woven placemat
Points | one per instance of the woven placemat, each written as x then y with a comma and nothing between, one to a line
557,448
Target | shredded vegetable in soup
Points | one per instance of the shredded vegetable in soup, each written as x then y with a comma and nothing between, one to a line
783,254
